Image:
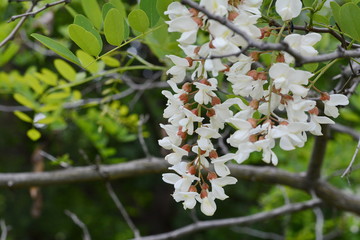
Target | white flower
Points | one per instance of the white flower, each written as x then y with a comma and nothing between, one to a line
288,9
218,7
266,145
176,156
189,199
208,206
205,134
223,112
246,23
183,182
176,10
296,109
302,44
217,185
315,121
178,71
187,123
251,6
291,135
203,96
173,111
219,164
173,137
288,79
330,108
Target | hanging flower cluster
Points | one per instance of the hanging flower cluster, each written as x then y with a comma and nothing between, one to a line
266,104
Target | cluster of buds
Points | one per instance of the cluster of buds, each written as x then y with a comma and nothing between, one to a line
265,106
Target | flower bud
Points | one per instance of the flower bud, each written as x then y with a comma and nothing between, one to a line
324,96
232,15
213,154
215,101
195,111
253,74
198,21
211,176
254,104
280,58
186,147
205,82
184,97
261,138
210,112
253,138
203,194
314,111
190,60
284,123
181,134
187,87
192,170
193,12
253,122
192,188
255,55
262,76
204,186
211,45
197,50
265,32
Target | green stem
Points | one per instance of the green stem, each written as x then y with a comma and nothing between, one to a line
323,70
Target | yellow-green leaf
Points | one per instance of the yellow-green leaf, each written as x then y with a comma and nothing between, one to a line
138,20
87,61
111,62
84,22
23,116
114,27
65,69
33,134
56,47
84,39
93,12
119,6
48,77
46,120
24,101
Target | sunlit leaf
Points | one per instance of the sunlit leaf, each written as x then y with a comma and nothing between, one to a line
149,7
84,39
23,116
93,12
65,69
138,20
114,27
33,134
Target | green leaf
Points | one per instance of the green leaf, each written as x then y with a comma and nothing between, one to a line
46,120
33,134
311,67
24,101
65,70
84,39
335,11
84,22
48,77
321,19
9,52
119,6
111,62
56,47
114,27
161,7
138,20
106,8
349,15
23,116
149,7
87,61
93,12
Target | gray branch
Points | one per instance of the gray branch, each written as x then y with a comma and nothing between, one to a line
80,224
203,225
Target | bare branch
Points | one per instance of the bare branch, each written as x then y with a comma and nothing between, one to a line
317,156
122,210
348,169
143,119
344,129
4,230
258,234
203,225
46,6
78,222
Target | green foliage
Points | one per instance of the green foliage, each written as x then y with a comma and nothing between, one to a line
114,27
149,7
138,20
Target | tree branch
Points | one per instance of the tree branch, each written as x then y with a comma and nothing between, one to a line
78,222
203,225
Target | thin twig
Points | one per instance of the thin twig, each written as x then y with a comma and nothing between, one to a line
348,169
79,223
319,225
203,225
32,14
143,119
258,234
4,230
18,26
122,210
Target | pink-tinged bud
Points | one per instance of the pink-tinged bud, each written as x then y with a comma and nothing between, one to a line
202,152
262,76
324,96
192,188
203,194
227,68
232,16
253,138
215,101
211,176
265,32
210,112
255,55
211,45
254,104
213,154
284,123
195,111
314,111
187,87
253,74
280,58
285,98
198,21
184,97
190,60
253,122
193,12
205,82
197,50
186,147
204,186
182,134
192,170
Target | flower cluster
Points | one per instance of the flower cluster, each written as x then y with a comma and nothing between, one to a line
266,104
